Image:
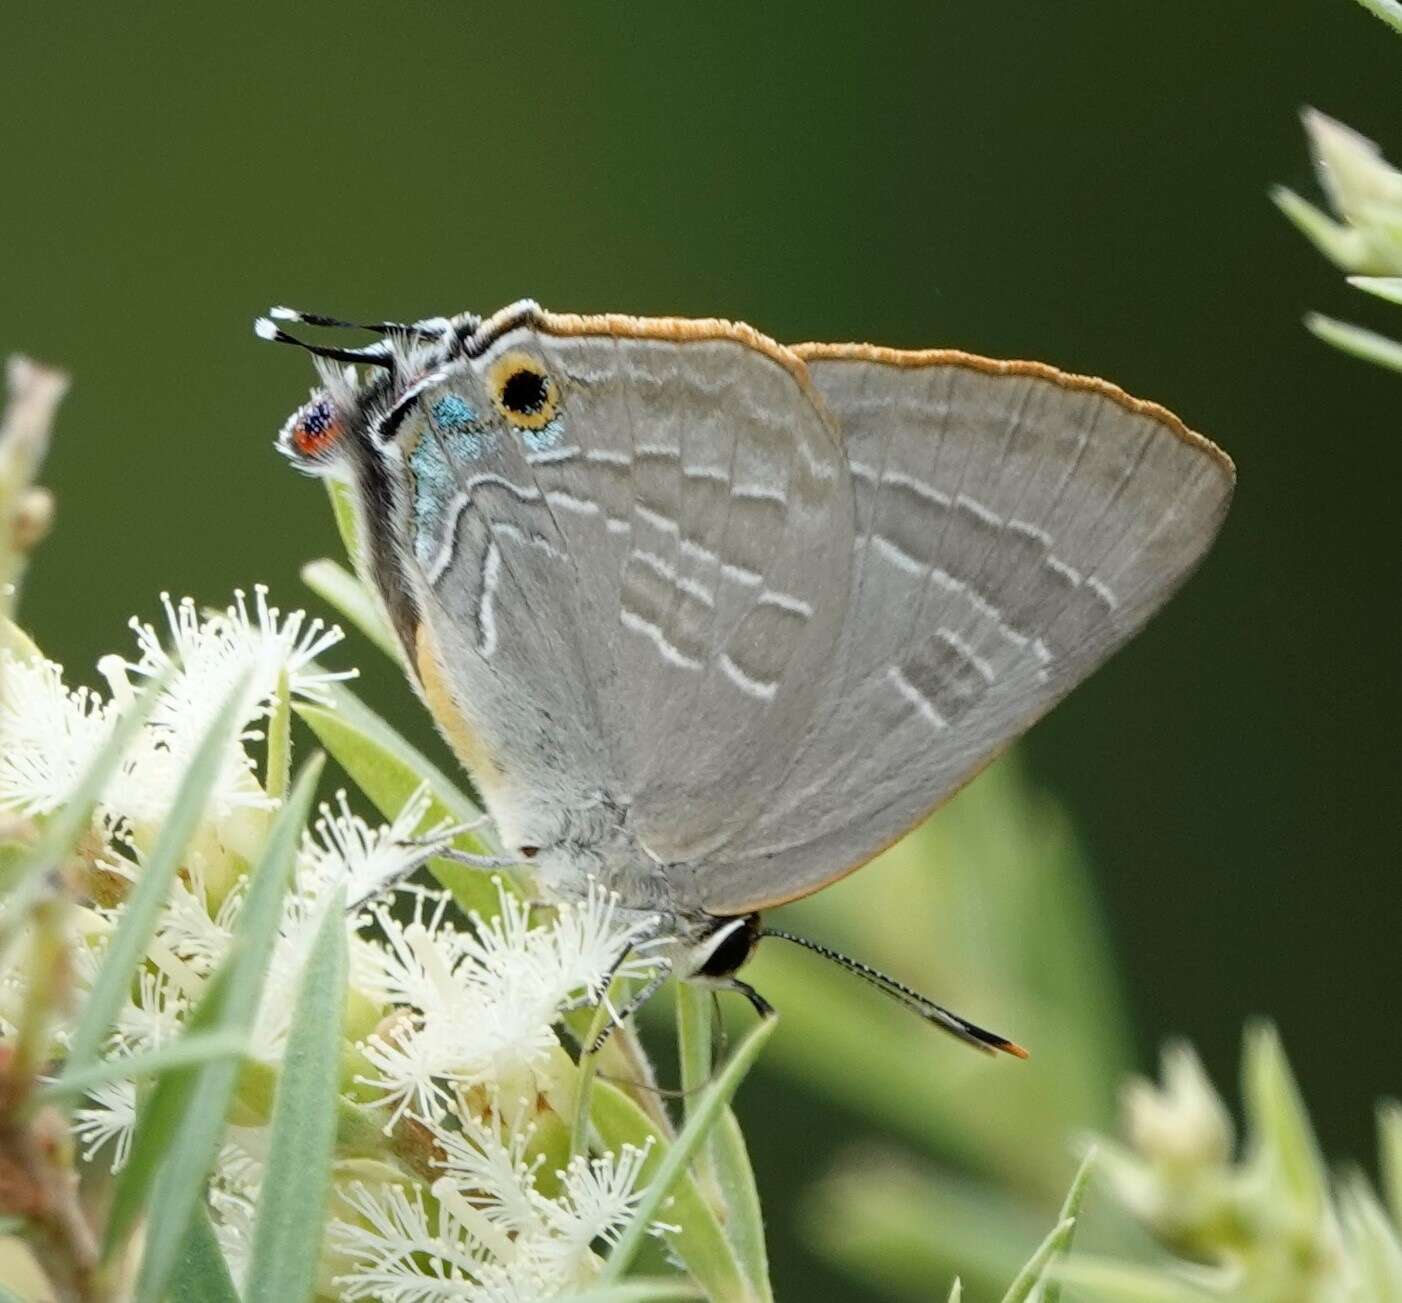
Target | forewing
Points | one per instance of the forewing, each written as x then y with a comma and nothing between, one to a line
1014,526
672,552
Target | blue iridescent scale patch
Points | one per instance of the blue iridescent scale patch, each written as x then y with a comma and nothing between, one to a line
434,484
547,437
454,418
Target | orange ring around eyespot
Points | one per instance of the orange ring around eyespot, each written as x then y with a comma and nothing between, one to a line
508,369
317,429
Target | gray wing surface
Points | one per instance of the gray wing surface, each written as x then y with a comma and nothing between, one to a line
1014,527
669,563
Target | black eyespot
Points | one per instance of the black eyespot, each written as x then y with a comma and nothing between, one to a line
524,392
529,852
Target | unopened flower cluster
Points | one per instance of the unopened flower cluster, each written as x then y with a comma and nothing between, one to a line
451,1024
1268,1224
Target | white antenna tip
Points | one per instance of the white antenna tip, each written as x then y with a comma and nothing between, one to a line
284,314
265,329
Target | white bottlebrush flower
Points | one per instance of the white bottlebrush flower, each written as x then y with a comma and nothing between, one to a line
481,1006
489,1233
345,850
208,654
48,735
107,1118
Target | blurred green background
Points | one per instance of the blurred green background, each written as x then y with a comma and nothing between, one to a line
1081,181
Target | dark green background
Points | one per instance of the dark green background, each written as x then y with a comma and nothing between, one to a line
1076,180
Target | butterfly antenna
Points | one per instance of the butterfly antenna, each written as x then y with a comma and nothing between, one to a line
374,355
432,328
938,1015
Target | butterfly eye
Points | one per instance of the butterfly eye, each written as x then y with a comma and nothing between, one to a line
316,429
522,390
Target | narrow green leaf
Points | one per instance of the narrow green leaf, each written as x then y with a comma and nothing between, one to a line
1070,1212
184,1122
679,1154
639,1290
188,1050
292,1205
347,525
279,775
1388,288
724,1162
1101,1280
1049,1249
389,770
1281,1136
1390,11
201,1275
1390,1156
1343,245
700,1244
587,1070
137,922
744,1224
338,587
67,824
1357,341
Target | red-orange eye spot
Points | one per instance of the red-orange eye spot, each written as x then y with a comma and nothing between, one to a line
317,429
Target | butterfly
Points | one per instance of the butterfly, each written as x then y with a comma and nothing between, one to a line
713,621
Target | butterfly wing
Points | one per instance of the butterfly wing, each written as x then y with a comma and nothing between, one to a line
1014,527
637,588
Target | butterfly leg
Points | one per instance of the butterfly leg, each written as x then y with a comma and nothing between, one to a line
617,1017
416,853
758,1002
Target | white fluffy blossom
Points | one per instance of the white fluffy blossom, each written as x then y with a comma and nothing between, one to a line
465,1013
488,1234
48,734
481,1004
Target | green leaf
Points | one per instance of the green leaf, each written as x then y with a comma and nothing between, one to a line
279,774
1357,341
1343,245
1282,1139
1376,1253
1053,1247
347,525
678,1155
1070,1212
1390,11
292,1205
897,1227
1390,1156
744,1223
637,1291
337,587
1100,1280
201,1275
137,922
724,1162
179,1132
1388,288
66,826
701,1243
190,1049
389,770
